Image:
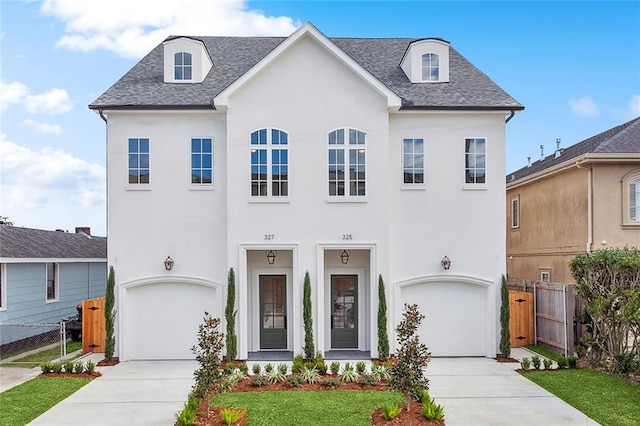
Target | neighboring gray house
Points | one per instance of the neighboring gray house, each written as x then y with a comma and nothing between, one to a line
45,274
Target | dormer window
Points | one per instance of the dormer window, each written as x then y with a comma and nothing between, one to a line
182,66
430,67
427,61
186,60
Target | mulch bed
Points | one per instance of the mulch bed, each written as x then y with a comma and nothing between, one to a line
74,375
108,363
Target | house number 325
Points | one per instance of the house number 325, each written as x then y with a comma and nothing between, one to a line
347,237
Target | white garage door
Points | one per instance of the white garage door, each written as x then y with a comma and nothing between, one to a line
455,321
162,319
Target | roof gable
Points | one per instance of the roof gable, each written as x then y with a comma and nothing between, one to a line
393,100
376,59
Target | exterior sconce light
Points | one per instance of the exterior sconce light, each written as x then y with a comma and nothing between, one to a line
168,263
446,263
344,256
271,257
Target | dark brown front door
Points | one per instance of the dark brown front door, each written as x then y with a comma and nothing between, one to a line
273,311
344,311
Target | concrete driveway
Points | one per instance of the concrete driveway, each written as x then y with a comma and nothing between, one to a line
473,391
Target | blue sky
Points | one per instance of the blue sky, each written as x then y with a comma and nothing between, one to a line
575,66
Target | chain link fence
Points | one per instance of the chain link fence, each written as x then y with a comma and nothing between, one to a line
29,345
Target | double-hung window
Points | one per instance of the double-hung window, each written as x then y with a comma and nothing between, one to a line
138,160
3,290
182,66
201,161
631,199
634,200
52,281
347,163
413,161
269,163
475,168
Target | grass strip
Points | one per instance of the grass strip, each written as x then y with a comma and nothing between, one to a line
46,355
23,403
308,408
547,353
606,399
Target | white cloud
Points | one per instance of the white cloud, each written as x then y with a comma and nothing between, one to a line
584,107
12,93
54,101
42,128
131,28
633,108
38,179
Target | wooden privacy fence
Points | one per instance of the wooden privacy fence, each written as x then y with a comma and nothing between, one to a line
93,334
553,314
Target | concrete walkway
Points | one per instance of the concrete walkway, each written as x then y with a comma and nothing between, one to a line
473,391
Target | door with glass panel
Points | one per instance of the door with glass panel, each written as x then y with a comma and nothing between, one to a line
344,311
273,311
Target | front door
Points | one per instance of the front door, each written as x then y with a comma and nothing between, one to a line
273,311
344,311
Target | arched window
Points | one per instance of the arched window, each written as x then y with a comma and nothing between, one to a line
430,67
182,66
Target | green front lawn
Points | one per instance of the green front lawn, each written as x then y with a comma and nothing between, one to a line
606,399
308,408
23,403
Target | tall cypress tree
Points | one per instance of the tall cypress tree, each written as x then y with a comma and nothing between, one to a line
309,350
505,334
109,316
231,340
383,338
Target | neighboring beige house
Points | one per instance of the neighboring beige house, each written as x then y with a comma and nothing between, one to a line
580,199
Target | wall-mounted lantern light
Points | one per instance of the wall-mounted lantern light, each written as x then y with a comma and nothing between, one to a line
344,257
168,263
271,257
446,263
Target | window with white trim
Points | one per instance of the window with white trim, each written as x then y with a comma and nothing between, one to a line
634,199
269,163
413,161
347,163
430,67
545,275
3,289
201,161
52,281
475,168
182,66
631,199
515,212
138,160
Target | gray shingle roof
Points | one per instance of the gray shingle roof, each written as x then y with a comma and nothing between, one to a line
622,139
144,87
16,242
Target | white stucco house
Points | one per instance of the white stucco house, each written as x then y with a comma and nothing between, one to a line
347,158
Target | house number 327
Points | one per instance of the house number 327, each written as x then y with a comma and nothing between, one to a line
269,236
347,237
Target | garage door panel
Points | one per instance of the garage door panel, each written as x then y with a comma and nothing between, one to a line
163,318
455,317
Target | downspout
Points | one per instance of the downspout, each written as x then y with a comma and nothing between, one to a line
102,115
510,116
589,206
564,311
